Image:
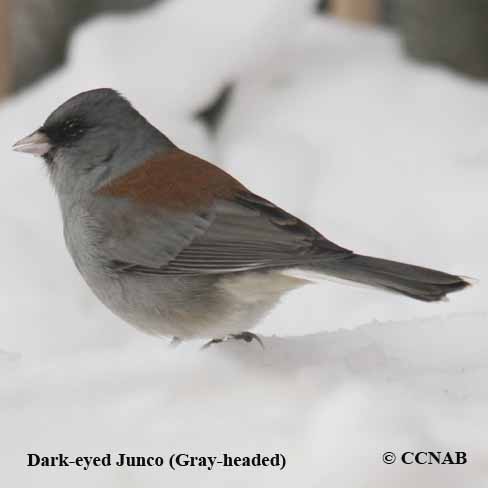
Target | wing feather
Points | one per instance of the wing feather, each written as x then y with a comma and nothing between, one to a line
264,238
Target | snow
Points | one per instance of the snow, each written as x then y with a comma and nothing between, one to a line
383,155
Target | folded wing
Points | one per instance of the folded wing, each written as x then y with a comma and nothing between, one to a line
181,215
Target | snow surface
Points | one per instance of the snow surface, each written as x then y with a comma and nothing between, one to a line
385,156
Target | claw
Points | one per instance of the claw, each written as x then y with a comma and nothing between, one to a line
248,337
215,341
245,336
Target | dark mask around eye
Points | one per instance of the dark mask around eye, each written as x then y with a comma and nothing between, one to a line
66,132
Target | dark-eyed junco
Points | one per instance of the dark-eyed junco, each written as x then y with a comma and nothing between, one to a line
174,245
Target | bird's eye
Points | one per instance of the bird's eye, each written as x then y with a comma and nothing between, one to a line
72,128
65,132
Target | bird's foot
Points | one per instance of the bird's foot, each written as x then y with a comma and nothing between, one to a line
248,337
245,336
214,341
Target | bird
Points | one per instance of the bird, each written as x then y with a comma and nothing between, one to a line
177,247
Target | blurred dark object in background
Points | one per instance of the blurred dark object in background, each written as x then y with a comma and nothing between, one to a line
212,114
5,71
40,32
322,6
453,32
389,11
359,10
34,34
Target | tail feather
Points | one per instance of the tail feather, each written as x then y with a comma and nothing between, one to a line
414,281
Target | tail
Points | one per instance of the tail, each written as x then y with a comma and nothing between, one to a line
416,282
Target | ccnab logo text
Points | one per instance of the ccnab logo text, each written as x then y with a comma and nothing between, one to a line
434,457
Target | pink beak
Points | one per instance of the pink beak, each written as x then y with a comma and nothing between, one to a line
37,143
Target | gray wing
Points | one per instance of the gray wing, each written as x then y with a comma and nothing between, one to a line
246,233
128,236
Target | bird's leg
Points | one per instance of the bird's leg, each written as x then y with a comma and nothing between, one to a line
175,342
246,336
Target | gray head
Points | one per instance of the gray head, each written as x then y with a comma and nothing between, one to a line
94,130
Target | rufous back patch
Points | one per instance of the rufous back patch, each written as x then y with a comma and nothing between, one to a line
176,180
